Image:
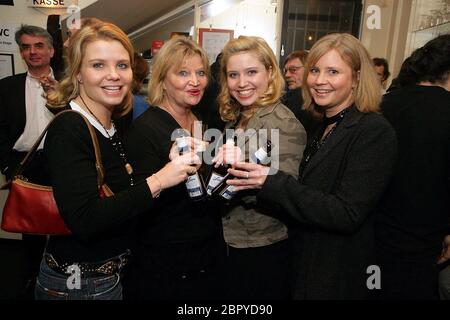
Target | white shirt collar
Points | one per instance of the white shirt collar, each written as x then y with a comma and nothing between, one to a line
92,120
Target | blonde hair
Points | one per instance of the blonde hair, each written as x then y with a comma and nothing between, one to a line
173,53
228,106
367,94
69,88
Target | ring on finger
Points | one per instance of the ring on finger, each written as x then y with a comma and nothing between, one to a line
246,177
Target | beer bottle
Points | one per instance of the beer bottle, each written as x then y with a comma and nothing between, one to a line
194,183
217,174
225,191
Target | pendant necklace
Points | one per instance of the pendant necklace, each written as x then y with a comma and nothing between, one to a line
116,143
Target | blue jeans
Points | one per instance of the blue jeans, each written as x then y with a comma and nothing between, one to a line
51,285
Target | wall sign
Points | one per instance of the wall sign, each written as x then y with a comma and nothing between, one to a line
213,41
7,41
6,65
52,4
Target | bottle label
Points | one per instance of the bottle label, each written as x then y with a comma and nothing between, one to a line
227,193
214,181
182,145
194,186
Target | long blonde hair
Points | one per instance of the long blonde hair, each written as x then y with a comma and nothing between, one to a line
69,88
367,94
228,106
173,53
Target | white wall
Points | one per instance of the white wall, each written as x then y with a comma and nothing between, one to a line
390,41
19,14
250,18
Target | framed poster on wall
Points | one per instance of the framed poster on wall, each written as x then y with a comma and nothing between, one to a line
213,41
6,65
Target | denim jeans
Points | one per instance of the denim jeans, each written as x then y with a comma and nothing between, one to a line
51,285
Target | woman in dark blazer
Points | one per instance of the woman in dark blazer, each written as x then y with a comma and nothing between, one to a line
345,169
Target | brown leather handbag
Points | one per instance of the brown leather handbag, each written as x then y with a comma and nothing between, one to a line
31,208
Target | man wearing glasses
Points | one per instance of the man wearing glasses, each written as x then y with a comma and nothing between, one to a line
294,70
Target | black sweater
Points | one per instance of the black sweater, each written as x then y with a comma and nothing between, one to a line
415,211
176,219
100,227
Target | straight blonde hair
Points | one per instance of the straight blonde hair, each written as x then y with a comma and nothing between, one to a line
367,94
173,53
228,106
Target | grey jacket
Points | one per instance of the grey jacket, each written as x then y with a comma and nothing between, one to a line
244,225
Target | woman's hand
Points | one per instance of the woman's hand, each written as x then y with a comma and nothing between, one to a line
173,173
250,176
193,143
445,254
228,154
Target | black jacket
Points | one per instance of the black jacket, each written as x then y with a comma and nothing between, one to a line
12,118
333,206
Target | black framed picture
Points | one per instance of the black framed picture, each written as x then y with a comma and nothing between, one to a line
6,65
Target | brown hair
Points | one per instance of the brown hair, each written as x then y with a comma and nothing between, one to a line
140,72
298,54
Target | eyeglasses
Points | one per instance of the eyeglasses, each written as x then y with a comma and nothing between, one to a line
292,69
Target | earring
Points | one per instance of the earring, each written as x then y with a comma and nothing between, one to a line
79,80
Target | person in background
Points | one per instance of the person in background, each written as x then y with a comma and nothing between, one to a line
294,70
97,85
344,171
179,243
208,106
414,213
381,67
23,116
257,263
140,73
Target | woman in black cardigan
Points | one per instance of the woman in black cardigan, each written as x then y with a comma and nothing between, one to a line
88,264
180,244
345,169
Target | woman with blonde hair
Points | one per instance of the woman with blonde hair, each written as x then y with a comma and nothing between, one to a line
258,248
345,169
97,85
179,245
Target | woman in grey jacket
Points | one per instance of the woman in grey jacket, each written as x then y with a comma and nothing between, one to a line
345,169
258,250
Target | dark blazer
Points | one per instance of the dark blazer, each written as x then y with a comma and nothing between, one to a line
333,207
12,118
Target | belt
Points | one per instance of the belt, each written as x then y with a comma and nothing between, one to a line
94,269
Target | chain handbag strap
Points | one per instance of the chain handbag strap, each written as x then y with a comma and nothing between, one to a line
98,157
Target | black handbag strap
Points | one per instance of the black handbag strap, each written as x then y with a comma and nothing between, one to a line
98,156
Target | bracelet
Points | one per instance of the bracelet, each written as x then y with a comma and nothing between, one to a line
160,185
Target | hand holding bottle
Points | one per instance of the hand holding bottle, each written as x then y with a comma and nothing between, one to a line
248,176
228,154
173,173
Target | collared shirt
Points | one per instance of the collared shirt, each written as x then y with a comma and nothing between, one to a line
37,114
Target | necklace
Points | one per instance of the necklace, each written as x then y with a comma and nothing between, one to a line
319,140
116,143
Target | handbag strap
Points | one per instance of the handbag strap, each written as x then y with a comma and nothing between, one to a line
98,157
